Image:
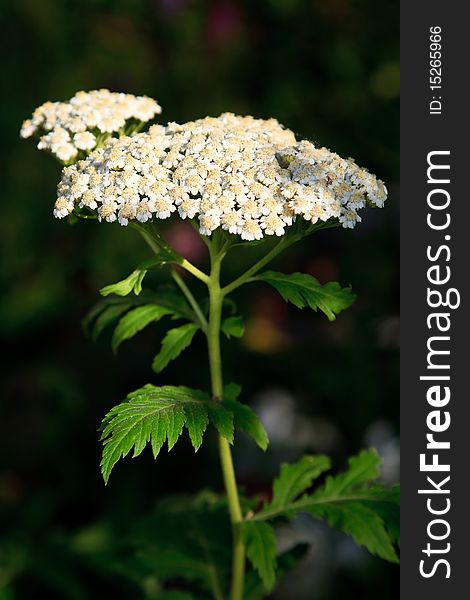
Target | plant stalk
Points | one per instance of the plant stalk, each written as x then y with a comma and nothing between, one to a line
215,361
156,242
282,245
212,329
191,299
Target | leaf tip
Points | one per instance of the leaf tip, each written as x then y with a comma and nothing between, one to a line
105,473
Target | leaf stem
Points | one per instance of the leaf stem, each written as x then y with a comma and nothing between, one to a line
194,271
282,245
191,299
305,503
157,243
236,517
287,240
147,237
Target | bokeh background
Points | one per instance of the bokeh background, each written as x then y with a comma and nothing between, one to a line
328,69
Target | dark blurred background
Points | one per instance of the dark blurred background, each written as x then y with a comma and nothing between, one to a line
329,70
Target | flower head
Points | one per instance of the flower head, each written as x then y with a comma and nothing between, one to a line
248,176
66,128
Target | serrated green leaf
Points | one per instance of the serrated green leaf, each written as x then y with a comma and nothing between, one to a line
303,290
369,513
186,539
387,505
247,420
295,479
222,420
360,521
135,320
175,341
362,469
232,391
104,312
254,588
170,297
196,423
244,417
157,414
233,327
352,502
97,309
107,317
261,550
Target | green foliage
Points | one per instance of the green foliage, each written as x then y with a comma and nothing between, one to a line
181,549
222,418
295,479
387,506
244,417
104,314
130,42
133,283
349,502
109,315
175,595
261,550
175,341
254,586
188,540
136,312
155,415
233,326
136,320
170,297
352,502
304,290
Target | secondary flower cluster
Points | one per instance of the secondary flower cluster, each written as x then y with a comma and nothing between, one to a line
248,176
66,128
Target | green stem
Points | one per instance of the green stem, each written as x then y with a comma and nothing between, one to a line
157,243
156,246
282,245
194,271
236,517
191,300
215,583
147,237
212,330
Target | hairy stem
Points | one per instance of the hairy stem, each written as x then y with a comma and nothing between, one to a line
236,518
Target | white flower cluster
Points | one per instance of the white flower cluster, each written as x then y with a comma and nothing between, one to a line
248,176
66,128
321,185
